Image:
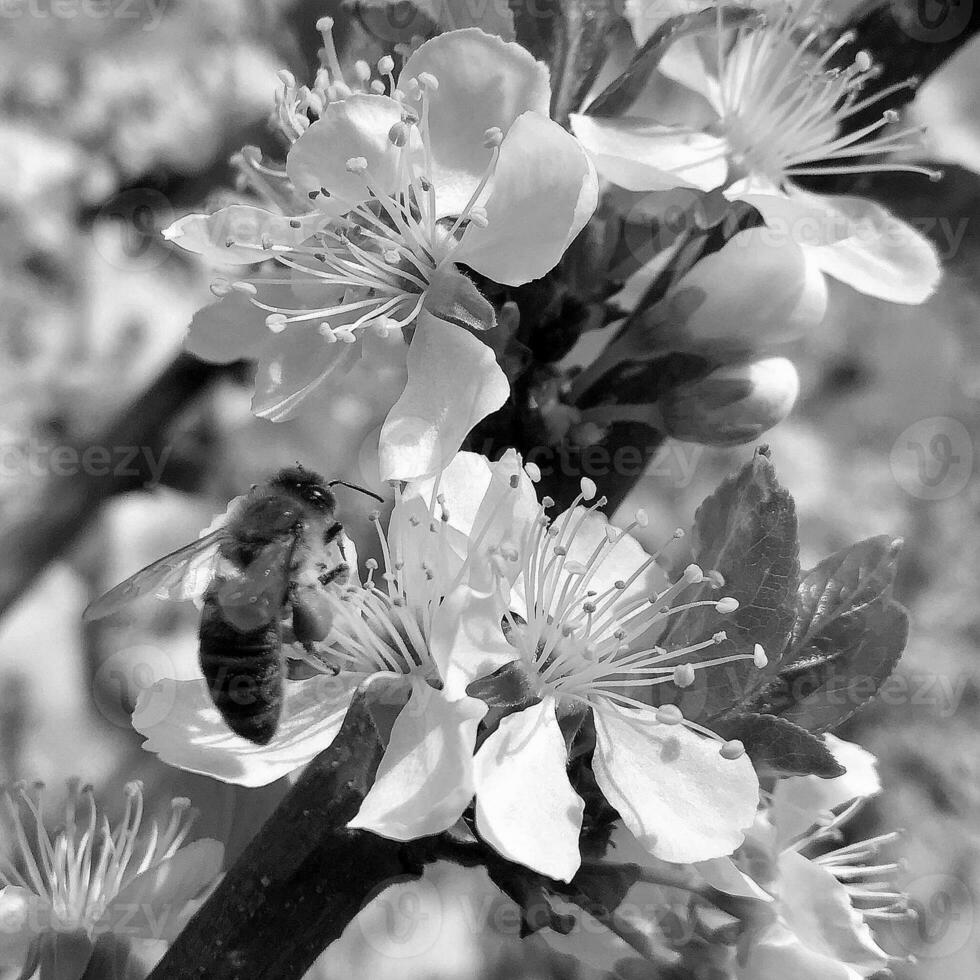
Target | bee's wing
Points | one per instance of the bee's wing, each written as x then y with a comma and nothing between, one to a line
255,596
183,574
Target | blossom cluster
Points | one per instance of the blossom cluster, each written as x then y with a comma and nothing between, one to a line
518,655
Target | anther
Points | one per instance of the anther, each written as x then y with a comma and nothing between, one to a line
759,657
683,675
719,637
357,165
693,575
727,605
276,322
428,80
533,472
588,488
493,137
362,71
398,134
286,77
386,65
669,714
732,750
378,87
641,518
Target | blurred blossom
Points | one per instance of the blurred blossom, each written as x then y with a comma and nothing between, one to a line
63,894
455,162
822,905
771,111
733,404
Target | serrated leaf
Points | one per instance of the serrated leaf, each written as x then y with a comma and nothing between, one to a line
841,670
777,747
620,94
746,530
840,584
847,638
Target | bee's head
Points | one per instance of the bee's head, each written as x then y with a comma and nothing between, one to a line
310,487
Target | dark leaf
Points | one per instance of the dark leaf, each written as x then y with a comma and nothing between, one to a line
746,530
847,637
779,748
618,96
838,586
841,670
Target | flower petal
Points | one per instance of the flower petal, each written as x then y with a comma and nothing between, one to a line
191,735
756,291
163,892
800,801
232,329
642,155
674,791
425,779
65,955
357,126
525,805
544,191
466,640
776,953
483,82
453,383
293,365
23,916
247,227
879,254
818,909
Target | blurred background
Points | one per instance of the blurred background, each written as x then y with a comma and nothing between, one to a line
117,118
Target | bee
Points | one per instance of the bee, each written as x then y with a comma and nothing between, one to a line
264,576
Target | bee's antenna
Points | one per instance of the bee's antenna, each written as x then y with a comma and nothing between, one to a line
354,486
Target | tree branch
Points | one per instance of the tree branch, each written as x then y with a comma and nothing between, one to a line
66,504
301,880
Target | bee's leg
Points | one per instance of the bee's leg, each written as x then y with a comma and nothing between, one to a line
319,660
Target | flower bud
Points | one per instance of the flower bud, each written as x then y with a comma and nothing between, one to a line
733,404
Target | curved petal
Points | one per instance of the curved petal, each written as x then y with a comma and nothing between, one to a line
453,383
191,735
293,365
800,801
525,805
674,791
544,191
776,953
877,254
466,640
357,126
241,234
818,909
162,892
757,291
425,779
483,82
232,329
641,155
23,917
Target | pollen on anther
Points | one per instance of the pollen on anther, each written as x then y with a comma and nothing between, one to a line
641,518
719,637
683,675
276,322
357,165
727,605
386,65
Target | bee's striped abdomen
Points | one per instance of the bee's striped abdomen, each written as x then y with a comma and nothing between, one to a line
244,673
